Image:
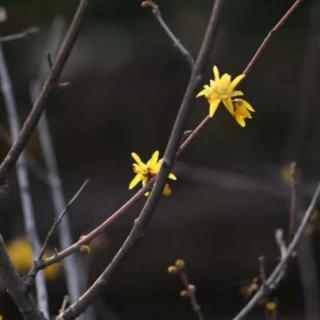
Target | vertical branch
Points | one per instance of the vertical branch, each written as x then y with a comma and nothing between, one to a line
16,289
23,181
55,185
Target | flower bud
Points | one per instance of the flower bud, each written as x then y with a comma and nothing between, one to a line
145,4
184,294
84,249
192,288
173,270
271,306
180,264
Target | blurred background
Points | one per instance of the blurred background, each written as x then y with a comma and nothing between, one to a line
233,187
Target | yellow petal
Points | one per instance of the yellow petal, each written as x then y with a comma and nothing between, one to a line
236,93
213,107
166,191
247,105
236,81
137,159
241,121
135,181
228,104
226,78
172,176
154,159
216,73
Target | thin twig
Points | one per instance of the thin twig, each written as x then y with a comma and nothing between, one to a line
293,199
86,239
176,42
21,35
38,107
262,269
190,289
278,272
60,217
281,243
265,42
65,302
23,181
16,289
168,160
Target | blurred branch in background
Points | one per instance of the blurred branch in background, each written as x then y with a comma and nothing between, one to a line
21,35
268,184
72,274
23,182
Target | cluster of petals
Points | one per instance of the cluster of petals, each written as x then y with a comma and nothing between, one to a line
145,171
223,89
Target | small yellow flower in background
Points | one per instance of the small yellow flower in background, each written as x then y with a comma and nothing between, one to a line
1,317
223,89
145,171
20,252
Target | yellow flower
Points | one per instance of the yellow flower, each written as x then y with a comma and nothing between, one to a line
242,110
20,253
145,171
221,90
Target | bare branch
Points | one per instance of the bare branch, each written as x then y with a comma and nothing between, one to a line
176,42
266,41
16,289
191,291
38,107
21,35
60,217
281,243
278,272
293,202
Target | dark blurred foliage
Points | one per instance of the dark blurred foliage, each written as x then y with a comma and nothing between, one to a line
127,83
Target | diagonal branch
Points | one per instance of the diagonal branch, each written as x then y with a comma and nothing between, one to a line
39,105
60,217
176,42
279,271
146,214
